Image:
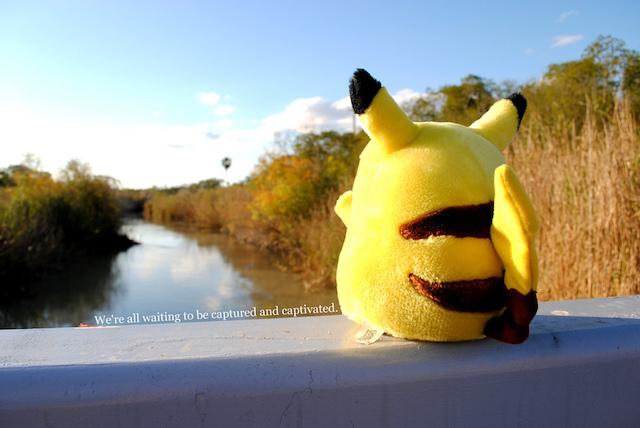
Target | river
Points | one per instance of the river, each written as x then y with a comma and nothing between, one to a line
175,274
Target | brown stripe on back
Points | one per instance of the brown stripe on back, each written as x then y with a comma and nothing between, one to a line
478,295
463,221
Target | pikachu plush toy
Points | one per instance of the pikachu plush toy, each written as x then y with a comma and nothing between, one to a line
440,232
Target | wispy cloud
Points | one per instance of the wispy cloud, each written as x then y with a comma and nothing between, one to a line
224,124
224,110
567,14
566,40
210,98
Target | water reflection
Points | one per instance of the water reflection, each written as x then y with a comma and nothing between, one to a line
174,270
62,299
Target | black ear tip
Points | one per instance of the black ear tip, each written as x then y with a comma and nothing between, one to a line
361,75
362,89
520,102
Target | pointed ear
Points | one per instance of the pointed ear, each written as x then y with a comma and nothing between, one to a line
382,118
362,89
500,124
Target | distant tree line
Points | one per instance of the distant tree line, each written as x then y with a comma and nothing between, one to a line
606,74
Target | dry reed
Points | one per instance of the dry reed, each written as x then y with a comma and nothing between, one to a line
584,186
217,209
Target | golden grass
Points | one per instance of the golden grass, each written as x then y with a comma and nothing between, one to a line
219,209
585,189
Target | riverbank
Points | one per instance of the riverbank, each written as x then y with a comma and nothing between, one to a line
306,245
176,269
44,222
285,207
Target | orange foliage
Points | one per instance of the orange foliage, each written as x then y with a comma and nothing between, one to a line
286,186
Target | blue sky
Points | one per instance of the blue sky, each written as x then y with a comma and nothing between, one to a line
157,93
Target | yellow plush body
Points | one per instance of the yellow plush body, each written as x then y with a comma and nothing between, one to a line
430,285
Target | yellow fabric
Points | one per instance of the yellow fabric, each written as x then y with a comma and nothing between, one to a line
388,124
405,172
343,207
513,232
499,124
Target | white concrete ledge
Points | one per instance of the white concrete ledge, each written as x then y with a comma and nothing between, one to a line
579,368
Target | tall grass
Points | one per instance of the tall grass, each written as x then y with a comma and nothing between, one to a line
222,209
585,188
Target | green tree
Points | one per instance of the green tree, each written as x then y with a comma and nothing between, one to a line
631,81
210,183
606,72
89,211
426,108
610,58
6,179
336,154
466,102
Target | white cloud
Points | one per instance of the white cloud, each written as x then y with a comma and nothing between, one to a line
146,156
406,96
566,40
210,98
317,114
223,125
139,157
224,110
308,115
567,14
343,104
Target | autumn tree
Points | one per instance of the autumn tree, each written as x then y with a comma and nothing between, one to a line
289,183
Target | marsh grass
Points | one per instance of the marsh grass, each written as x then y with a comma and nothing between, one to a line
223,209
585,188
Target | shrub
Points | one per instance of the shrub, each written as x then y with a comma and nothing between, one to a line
43,220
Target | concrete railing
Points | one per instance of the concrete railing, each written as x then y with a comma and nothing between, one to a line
579,368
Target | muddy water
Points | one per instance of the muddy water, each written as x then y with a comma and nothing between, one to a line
175,273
